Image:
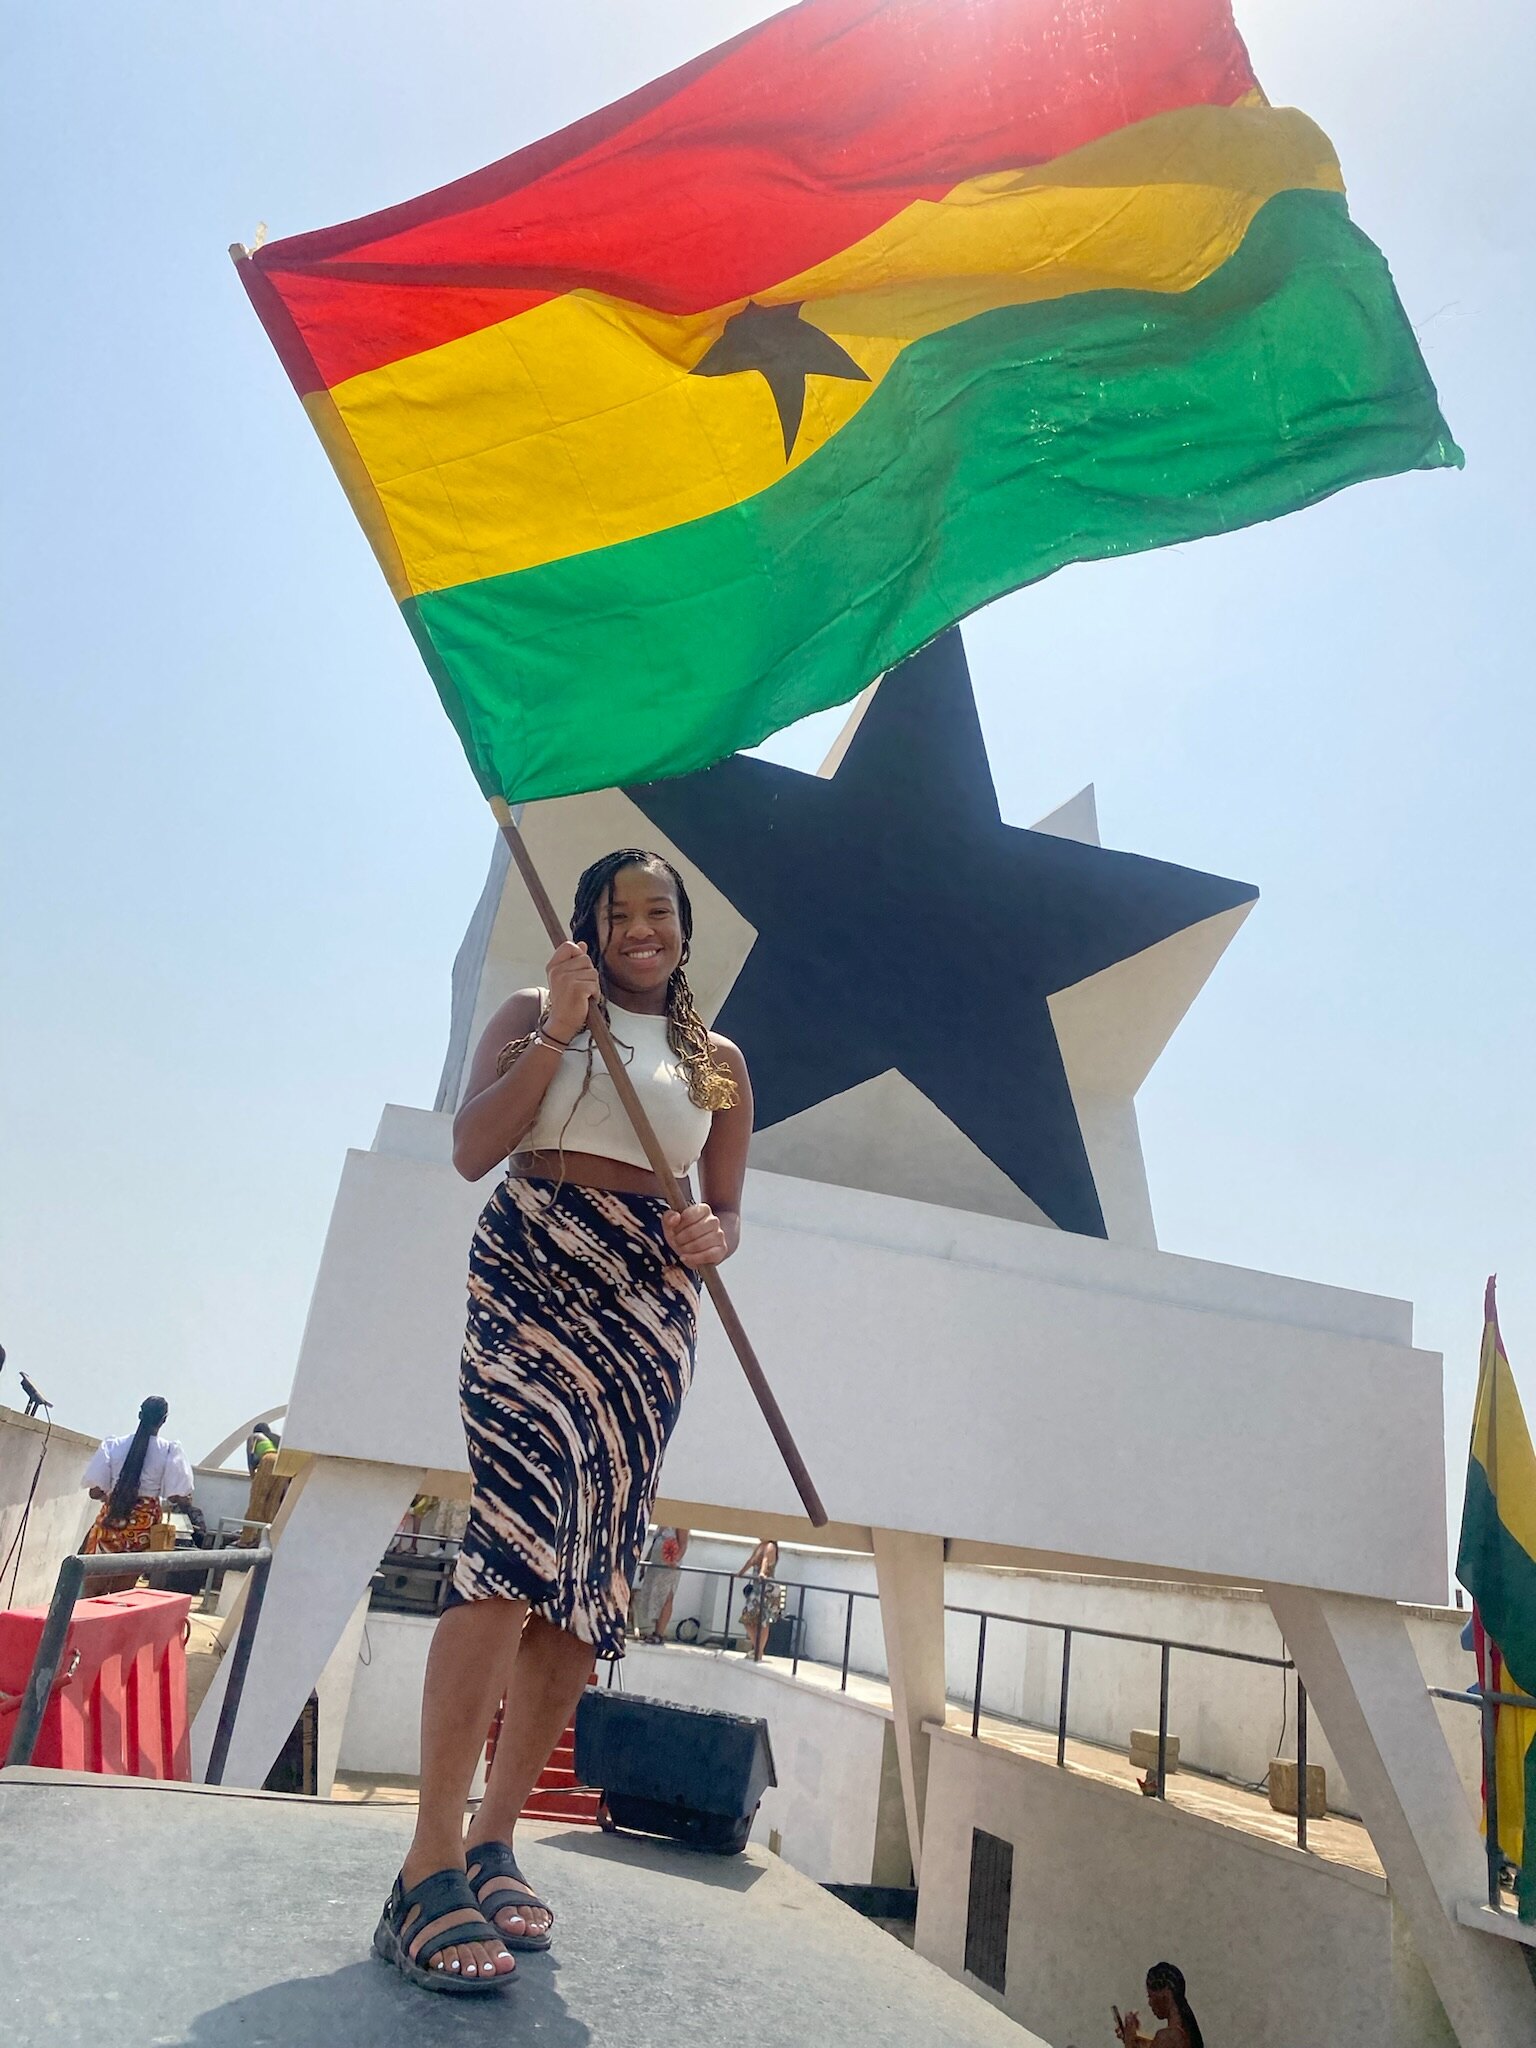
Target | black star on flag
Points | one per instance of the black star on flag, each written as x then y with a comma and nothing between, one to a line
902,924
784,350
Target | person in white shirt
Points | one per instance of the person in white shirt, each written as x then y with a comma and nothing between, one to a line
131,1476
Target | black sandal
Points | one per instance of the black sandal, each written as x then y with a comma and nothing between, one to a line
489,1861
445,1891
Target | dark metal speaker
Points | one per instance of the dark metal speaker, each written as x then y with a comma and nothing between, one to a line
692,1773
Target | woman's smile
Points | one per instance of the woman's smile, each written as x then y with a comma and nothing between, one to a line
643,940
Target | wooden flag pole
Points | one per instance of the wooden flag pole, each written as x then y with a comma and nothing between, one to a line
725,1308
602,1038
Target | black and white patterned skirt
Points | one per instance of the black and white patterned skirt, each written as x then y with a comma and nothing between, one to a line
577,1354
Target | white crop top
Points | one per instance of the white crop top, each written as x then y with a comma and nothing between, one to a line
570,1121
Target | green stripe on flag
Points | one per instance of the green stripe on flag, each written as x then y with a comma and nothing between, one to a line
1525,1881
993,453
1501,1577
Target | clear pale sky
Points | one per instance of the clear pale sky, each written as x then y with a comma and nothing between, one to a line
242,844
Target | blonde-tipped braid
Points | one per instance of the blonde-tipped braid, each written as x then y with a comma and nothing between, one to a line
711,1084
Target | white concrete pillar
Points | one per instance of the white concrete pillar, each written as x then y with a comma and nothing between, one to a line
333,1689
1358,1664
330,1532
909,1571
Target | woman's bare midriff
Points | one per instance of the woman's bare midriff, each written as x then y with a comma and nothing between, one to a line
588,1170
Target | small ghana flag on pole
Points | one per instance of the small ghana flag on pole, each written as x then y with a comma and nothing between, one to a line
695,417
1496,1562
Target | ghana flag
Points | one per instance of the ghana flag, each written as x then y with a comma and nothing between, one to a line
1496,1562
698,415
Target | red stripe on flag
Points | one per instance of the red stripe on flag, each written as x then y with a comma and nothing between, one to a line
750,164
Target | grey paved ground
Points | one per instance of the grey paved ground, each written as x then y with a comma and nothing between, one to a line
164,1917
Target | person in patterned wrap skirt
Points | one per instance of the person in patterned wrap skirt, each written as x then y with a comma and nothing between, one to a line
578,1349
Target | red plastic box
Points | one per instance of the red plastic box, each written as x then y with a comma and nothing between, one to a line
119,1703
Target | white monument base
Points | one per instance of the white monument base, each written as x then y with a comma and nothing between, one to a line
961,1385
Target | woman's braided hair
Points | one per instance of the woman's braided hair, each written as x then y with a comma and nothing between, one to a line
1169,1977
710,1084
152,1415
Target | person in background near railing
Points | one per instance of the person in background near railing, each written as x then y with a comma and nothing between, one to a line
651,1608
131,1476
263,1442
408,1535
762,1600
1165,1995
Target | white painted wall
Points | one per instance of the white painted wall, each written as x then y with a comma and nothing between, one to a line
1279,1949
219,1493
937,1367
1227,1716
382,1733
61,1508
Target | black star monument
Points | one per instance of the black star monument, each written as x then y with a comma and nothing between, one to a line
784,350
901,924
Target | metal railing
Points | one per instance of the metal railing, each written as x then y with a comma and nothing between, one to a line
1488,1705
847,1594
139,1564
1164,1645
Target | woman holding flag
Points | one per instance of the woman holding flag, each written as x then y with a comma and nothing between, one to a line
583,1298
627,546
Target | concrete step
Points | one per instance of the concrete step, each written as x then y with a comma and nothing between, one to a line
581,1805
555,1778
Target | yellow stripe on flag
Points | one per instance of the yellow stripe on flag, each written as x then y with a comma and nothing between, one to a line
1513,1484
1515,1732
579,424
